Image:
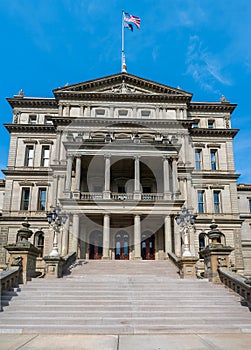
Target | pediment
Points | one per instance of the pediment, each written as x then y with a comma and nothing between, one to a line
122,83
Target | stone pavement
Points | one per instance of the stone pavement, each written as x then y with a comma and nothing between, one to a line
126,342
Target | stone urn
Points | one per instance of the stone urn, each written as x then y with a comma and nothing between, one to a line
214,234
24,233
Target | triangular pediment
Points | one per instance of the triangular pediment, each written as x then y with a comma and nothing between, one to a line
122,83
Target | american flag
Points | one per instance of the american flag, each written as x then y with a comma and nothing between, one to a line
132,19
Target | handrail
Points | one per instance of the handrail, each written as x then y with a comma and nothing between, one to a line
173,257
68,260
237,283
9,278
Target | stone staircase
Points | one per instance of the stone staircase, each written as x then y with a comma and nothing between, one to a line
123,297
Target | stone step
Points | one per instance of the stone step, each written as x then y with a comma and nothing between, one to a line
122,313
125,329
123,298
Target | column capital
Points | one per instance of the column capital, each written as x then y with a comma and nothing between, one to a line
136,157
107,155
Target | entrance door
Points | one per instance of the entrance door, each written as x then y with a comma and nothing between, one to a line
147,246
122,246
96,245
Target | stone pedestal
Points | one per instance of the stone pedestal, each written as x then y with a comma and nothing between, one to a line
53,266
187,266
215,255
28,254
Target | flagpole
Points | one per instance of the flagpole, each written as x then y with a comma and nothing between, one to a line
123,63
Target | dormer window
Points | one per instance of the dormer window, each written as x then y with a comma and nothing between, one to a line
33,119
100,113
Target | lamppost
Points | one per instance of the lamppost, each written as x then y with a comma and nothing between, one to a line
56,220
185,220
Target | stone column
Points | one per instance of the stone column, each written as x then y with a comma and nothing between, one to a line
78,177
106,237
175,175
65,238
137,238
166,179
107,192
68,173
177,239
75,233
168,234
137,192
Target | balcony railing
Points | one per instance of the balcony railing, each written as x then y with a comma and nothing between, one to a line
121,196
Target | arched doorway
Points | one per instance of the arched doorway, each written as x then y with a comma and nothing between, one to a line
148,246
122,246
96,245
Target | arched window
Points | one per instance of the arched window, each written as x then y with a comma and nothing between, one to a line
39,242
202,241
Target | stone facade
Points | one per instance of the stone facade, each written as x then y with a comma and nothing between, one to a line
244,196
122,155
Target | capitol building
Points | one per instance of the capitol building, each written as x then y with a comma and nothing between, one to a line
122,157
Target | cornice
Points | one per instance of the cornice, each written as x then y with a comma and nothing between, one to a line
34,128
32,102
212,106
31,172
102,96
213,132
214,174
243,187
127,122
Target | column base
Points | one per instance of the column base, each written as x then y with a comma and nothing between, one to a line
67,194
106,194
105,258
137,258
137,196
76,195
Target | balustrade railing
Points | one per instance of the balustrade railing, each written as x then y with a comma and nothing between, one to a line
122,196
238,284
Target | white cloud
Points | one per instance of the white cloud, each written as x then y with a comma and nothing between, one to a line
205,68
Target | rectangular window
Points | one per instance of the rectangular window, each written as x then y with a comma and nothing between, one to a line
47,120
45,157
249,205
100,113
213,159
41,199
210,124
145,114
195,124
33,119
25,199
217,205
200,202
123,113
198,159
29,156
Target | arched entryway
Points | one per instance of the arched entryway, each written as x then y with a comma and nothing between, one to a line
147,246
122,246
96,245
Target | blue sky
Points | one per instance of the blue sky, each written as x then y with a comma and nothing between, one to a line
203,46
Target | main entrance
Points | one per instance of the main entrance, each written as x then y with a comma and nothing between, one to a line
147,246
122,246
96,245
